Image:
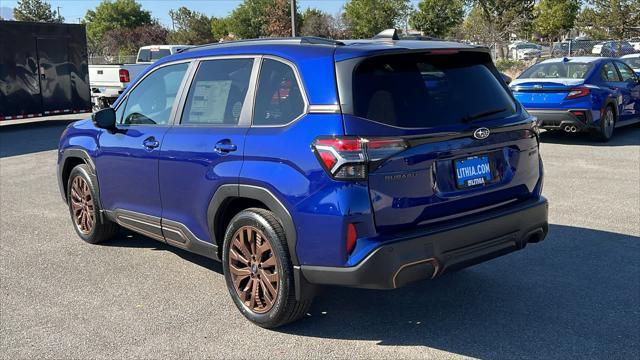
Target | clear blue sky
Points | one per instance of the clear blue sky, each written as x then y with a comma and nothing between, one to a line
74,9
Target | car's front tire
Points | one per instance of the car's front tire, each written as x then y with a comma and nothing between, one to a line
258,270
84,207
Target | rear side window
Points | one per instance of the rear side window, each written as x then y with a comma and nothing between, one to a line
279,99
609,73
218,92
625,72
144,55
151,101
419,91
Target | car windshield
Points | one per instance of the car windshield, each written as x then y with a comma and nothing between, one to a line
423,91
633,62
557,70
527,46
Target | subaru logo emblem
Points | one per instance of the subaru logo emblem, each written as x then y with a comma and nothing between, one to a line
537,87
481,133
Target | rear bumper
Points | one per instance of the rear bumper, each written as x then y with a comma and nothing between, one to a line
446,247
560,119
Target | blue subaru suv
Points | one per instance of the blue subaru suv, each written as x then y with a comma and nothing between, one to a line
305,162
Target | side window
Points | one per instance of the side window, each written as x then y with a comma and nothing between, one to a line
609,72
626,73
150,103
144,55
279,98
218,92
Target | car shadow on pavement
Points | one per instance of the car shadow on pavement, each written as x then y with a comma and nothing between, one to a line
574,295
21,139
129,239
624,136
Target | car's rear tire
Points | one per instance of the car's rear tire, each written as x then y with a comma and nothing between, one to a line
84,207
607,125
258,270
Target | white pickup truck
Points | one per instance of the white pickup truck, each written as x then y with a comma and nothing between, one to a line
107,82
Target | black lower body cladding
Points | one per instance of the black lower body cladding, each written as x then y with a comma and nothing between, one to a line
466,242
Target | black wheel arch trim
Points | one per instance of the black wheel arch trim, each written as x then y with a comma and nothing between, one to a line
86,158
229,191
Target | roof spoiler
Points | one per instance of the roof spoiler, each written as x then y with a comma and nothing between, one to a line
388,34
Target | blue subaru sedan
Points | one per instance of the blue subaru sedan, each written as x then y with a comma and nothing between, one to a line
579,94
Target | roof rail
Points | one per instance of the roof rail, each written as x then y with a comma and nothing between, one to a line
312,40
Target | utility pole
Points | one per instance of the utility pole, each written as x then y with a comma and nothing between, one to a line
59,16
293,18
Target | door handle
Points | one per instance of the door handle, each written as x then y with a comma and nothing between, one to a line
225,147
151,143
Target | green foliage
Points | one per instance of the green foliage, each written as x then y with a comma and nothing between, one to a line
249,20
36,10
507,16
191,27
508,64
555,17
611,19
437,17
316,23
366,18
476,28
219,28
110,15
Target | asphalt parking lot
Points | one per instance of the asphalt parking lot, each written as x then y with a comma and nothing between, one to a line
575,295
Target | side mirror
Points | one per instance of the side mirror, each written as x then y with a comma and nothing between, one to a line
104,119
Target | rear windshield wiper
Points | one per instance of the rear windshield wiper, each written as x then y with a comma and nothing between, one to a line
470,118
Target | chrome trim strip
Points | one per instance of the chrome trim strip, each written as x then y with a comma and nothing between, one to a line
324,109
132,221
436,266
186,235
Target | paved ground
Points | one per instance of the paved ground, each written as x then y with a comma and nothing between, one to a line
576,295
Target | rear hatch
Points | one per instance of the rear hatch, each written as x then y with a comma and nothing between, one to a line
445,138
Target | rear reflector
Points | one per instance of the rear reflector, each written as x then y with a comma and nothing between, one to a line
347,158
124,76
352,235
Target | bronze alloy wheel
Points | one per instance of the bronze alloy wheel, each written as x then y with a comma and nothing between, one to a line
254,269
82,205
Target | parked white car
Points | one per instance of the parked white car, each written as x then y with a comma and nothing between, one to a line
633,60
525,51
152,53
635,42
107,82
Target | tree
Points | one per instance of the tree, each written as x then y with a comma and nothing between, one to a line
278,14
249,20
126,41
437,17
192,27
476,28
366,18
110,15
611,19
36,10
552,18
316,23
219,28
506,17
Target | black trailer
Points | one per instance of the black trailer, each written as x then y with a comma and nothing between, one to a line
43,69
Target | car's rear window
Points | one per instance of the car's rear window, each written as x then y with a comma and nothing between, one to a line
557,70
422,90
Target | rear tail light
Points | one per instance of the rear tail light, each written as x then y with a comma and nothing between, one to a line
348,158
576,93
124,76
